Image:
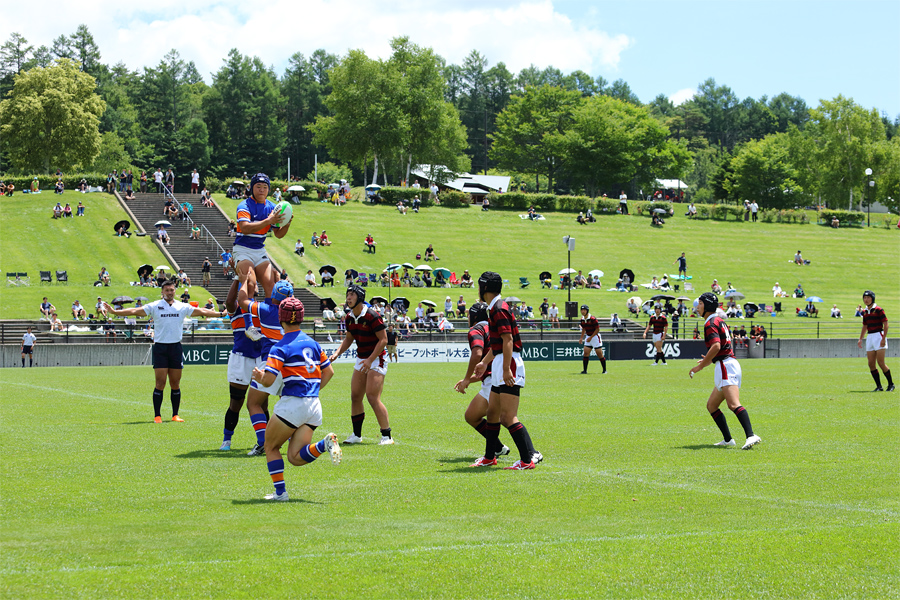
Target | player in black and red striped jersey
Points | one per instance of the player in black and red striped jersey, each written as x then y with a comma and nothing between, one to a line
875,329
660,325
479,343
728,372
366,327
590,337
507,377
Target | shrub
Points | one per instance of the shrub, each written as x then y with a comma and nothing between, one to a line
453,199
70,180
846,217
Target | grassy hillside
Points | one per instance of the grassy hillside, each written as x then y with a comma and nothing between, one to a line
753,256
31,241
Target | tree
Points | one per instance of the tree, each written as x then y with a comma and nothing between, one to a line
330,172
51,118
530,135
887,176
62,48
303,99
762,171
622,91
366,118
85,50
14,54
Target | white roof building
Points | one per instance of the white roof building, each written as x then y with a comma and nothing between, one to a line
479,185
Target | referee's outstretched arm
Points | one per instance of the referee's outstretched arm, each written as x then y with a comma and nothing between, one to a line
134,311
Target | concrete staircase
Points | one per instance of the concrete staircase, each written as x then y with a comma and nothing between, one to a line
189,254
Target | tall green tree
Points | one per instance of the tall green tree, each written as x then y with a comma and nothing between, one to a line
763,171
85,50
531,131
51,118
243,109
303,99
15,54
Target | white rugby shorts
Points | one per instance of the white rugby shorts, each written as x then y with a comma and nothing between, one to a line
240,368
873,342
273,390
593,342
256,255
299,411
728,372
658,337
379,365
516,365
485,391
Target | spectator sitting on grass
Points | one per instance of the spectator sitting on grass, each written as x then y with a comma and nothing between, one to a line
429,253
311,278
183,277
47,308
78,311
298,248
715,287
79,210
57,211
101,310
67,211
60,187
103,276
323,239
835,223
835,312
859,310
811,309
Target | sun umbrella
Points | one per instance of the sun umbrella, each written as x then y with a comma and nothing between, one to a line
296,188
568,271
814,299
734,294
662,297
429,303
142,298
685,298
188,207
423,268
353,273
330,268
237,182
596,272
660,211
512,300
328,303
635,300
163,267
545,275
378,299
144,270
628,272
373,186
408,265
162,223
445,273
392,267
122,300
123,223
400,299
647,303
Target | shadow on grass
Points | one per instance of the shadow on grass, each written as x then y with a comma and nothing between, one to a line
271,502
150,422
211,453
699,447
455,459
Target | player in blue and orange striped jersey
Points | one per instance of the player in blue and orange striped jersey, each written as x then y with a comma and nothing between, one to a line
255,217
265,322
305,369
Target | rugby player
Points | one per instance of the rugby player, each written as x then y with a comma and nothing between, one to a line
255,217
507,378
590,337
728,372
479,340
366,327
244,357
304,368
660,325
264,318
168,328
875,324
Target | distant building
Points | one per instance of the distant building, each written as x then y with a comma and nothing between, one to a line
478,186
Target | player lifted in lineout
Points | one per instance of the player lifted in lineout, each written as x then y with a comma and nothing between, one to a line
255,217
304,368
727,378
479,343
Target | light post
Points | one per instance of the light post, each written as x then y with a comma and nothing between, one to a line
868,197
569,241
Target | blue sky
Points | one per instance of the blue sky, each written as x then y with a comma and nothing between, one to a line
812,49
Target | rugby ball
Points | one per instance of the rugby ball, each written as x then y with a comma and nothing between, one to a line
285,211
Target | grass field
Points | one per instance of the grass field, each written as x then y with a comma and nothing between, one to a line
31,241
631,501
753,256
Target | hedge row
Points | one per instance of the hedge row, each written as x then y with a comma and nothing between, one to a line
448,198
216,185
48,182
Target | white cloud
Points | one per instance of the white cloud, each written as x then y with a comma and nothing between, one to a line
682,96
518,33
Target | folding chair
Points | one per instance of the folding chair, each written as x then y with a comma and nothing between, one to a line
23,278
62,277
11,279
46,277
523,282
688,287
454,282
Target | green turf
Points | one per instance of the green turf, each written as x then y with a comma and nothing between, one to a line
753,256
31,241
630,502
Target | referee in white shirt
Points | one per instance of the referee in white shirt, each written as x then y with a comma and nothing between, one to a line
168,324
